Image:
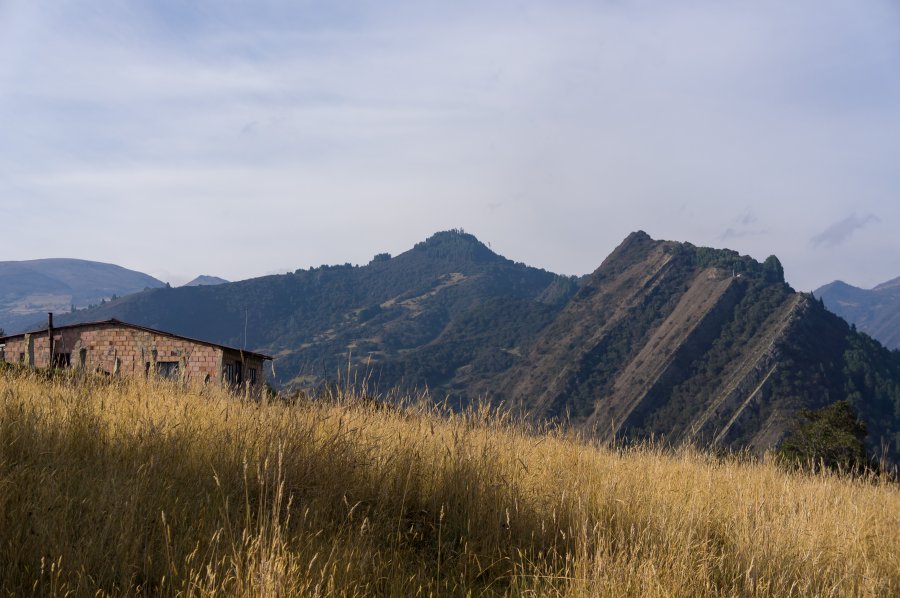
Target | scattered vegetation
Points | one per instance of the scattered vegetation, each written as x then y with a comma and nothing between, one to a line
111,487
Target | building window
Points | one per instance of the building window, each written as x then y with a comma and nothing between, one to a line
251,375
234,374
167,369
62,360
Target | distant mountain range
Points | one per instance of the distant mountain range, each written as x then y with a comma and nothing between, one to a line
874,311
204,280
664,339
29,289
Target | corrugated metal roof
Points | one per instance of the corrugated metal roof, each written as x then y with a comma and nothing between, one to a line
115,322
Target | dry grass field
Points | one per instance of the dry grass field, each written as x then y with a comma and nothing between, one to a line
144,488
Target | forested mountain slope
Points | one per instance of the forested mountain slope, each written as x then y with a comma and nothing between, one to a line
447,303
694,344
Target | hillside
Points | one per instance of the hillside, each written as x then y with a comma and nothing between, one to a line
874,311
29,289
136,488
664,339
704,346
448,294
205,280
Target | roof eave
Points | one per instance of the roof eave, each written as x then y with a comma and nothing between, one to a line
115,322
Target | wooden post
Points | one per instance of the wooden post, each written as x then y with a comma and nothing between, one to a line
154,356
182,365
29,350
50,338
220,366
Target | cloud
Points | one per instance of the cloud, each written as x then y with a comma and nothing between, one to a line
301,133
838,233
748,218
732,233
745,225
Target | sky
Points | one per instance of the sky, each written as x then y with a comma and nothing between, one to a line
239,139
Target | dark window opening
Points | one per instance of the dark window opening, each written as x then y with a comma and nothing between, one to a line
251,375
234,373
62,360
167,369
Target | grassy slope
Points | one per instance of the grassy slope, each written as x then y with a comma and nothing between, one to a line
139,487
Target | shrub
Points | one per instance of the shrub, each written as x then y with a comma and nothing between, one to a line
832,437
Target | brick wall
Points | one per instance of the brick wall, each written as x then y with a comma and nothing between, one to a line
127,351
13,349
135,350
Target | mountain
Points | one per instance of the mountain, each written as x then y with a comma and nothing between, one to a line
704,346
204,280
875,311
29,289
663,340
891,285
399,313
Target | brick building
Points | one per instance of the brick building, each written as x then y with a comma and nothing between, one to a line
125,349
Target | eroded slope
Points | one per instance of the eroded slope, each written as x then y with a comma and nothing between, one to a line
701,346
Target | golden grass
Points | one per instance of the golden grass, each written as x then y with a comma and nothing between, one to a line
129,488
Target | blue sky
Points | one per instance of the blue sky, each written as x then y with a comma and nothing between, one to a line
238,139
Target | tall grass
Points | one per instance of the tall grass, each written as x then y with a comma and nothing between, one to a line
142,488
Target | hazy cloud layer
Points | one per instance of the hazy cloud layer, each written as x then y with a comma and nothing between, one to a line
745,225
236,138
839,233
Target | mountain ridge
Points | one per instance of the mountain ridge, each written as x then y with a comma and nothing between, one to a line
699,345
894,283
205,280
30,288
875,311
